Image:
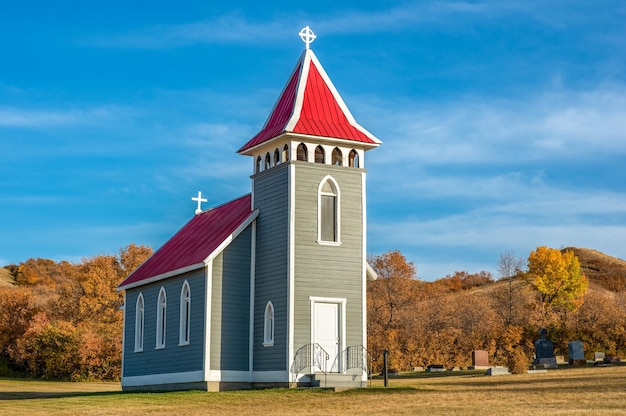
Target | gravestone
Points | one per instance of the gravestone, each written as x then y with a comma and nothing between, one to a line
480,360
433,368
497,371
576,353
544,351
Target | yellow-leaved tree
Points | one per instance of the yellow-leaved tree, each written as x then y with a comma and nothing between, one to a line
557,277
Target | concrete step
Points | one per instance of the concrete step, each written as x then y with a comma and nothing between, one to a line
337,380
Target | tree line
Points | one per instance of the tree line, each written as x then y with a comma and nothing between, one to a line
442,322
65,321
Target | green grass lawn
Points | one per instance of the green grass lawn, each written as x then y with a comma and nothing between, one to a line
591,390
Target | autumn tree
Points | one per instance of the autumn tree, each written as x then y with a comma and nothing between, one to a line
77,331
390,300
557,277
508,298
17,308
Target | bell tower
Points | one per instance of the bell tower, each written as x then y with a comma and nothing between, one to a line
309,263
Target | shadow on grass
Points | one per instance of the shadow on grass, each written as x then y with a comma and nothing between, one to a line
31,395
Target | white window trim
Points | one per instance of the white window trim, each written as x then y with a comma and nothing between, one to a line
161,320
185,316
139,323
269,341
337,212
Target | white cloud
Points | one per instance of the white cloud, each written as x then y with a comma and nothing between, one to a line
231,28
239,29
37,118
558,125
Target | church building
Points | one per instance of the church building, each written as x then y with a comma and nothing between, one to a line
268,289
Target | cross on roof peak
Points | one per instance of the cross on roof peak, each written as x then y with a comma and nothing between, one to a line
200,201
307,36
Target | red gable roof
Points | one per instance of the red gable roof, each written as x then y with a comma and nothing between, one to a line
311,105
195,242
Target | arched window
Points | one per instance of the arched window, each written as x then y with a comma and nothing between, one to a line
268,328
139,319
268,161
276,157
161,319
353,159
319,154
185,315
337,157
302,153
328,211
285,156
258,164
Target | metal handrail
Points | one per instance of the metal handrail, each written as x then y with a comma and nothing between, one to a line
309,356
354,356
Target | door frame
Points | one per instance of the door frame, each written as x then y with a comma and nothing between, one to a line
341,302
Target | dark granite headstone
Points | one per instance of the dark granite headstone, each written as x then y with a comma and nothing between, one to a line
576,353
544,351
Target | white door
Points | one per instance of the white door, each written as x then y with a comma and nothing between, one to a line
326,333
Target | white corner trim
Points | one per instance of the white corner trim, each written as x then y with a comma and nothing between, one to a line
291,259
206,366
252,299
124,332
366,266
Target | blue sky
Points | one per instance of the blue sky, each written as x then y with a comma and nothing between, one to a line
503,123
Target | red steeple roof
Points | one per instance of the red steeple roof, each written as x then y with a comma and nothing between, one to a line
311,105
205,235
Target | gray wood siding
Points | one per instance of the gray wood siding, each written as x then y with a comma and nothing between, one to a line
172,358
230,306
322,270
271,196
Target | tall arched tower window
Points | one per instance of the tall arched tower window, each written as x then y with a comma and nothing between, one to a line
353,159
337,157
319,155
258,164
276,157
161,319
328,211
268,328
185,315
302,153
139,320
285,155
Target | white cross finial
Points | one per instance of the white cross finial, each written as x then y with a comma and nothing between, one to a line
307,36
200,201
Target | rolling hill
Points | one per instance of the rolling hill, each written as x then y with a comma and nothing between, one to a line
6,279
601,269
